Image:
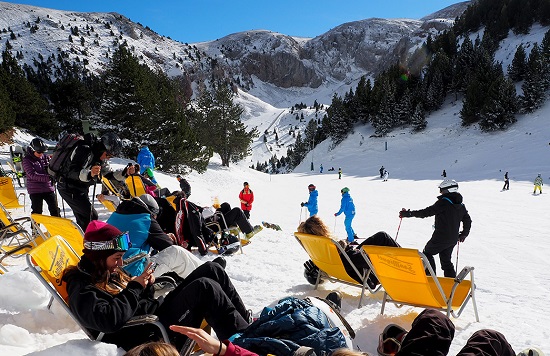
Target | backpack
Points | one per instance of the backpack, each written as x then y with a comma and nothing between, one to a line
190,227
62,152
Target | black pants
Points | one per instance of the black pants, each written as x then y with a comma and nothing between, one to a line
506,185
37,200
79,202
237,216
247,213
207,293
445,253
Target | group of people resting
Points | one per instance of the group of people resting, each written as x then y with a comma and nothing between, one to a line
103,295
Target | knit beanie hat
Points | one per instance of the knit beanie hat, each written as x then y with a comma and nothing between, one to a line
151,203
99,231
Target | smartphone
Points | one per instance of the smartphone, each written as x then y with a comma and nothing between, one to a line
152,267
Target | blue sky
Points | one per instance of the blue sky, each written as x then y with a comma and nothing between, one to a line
206,20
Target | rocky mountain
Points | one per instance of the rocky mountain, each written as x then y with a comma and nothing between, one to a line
272,66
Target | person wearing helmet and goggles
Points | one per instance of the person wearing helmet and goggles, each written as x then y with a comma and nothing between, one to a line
311,203
449,212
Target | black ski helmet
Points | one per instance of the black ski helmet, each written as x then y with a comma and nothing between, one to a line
311,187
112,143
37,145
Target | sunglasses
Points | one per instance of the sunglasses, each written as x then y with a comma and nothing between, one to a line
119,243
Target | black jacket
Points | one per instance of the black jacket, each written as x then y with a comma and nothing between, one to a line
431,334
449,212
100,311
157,238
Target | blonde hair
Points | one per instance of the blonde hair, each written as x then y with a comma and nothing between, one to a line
314,226
348,352
153,348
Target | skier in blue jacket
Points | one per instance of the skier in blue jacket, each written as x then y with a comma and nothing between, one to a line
312,201
348,208
145,158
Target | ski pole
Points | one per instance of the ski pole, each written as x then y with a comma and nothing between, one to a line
335,217
457,250
398,228
93,199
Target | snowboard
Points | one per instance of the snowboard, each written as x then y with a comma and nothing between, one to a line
271,226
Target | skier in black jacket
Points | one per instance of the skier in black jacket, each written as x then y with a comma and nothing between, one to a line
449,212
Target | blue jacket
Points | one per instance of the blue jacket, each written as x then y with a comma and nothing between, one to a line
145,159
291,323
346,205
312,202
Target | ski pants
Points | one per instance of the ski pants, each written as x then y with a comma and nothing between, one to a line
175,259
80,203
237,216
445,252
349,230
537,187
37,200
207,293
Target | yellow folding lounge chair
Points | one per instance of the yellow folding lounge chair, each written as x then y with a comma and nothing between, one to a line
8,197
110,187
325,254
48,261
14,238
402,274
135,185
47,226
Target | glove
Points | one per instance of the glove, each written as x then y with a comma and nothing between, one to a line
405,213
335,214
462,236
302,204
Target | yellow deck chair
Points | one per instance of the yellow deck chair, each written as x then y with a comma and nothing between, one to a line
8,197
135,185
48,261
402,274
170,199
109,205
15,239
47,226
325,254
110,187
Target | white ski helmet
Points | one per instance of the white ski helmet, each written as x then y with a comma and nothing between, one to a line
450,185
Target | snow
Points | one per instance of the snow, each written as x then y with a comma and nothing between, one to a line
508,245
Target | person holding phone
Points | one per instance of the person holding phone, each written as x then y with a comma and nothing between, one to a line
103,297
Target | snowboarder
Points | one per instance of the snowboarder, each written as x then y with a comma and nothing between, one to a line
386,175
321,168
339,173
348,208
247,198
538,184
444,174
312,201
506,182
381,170
449,211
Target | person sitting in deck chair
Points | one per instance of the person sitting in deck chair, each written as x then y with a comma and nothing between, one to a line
315,226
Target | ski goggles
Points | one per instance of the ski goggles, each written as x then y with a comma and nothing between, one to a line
119,243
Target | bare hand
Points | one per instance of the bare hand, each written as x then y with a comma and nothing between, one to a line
145,278
173,237
206,342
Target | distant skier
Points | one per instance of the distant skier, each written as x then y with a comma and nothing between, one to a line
339,173
449,211
312,201
538,184
348,208
321,168
444,174
506,182
381,170
386,175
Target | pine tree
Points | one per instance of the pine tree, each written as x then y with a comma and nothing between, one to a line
500,105
533,86
418,118
517,69
339,123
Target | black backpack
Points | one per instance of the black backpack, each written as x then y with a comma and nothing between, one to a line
62,152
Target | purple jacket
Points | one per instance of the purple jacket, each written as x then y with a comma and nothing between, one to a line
38,179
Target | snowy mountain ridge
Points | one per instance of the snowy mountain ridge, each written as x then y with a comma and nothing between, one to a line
256,60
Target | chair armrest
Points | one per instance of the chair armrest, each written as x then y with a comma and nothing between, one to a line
465,271
142,319
24,219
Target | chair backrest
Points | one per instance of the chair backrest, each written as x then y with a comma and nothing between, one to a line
109,205
135,185
71,232
107,184
170,199
402,274
323,251
8,196
15,228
